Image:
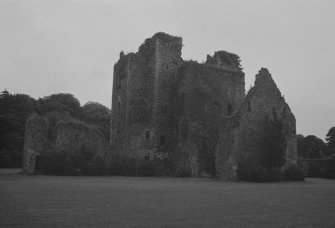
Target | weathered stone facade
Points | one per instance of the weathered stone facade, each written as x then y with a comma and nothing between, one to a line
241,133
195,115
57,132
141,108
35,141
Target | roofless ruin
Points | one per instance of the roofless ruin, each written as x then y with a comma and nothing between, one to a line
197,117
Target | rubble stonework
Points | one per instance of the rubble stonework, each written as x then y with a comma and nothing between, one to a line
35,141
59,132
241,133
73,135
141,108
195,115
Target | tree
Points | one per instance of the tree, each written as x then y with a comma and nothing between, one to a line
274,142
61,102
98,114
272,155
310,147
14,110
330,140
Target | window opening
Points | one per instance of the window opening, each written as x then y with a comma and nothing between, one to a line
229,109
162,140
119,83
147,134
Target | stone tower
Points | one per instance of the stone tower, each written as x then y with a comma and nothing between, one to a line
194,115
141,111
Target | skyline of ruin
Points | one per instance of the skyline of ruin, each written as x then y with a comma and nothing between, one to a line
54,47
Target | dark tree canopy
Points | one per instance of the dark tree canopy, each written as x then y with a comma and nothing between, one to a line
272,156
14,110
274,144
310,147
330,140
96,113
61,102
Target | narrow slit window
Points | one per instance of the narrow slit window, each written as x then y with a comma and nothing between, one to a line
216,103
162,140
147,134
118,105
119,83
229,109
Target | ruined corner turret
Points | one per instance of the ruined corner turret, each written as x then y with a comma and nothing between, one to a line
225,60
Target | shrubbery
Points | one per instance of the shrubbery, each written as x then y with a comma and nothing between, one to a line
132,167
256,173
266,166
323,168
294,173
250,171
123,167
82,162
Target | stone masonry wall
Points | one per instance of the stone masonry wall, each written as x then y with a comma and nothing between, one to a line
205,94
35,141
262,100
73,135
140,111
196,115
57,132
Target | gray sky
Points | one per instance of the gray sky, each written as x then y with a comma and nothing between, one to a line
71,46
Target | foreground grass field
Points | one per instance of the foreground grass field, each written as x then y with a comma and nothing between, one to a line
49,201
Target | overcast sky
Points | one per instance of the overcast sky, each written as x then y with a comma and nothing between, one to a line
71,46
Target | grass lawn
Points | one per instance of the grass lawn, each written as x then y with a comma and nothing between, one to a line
54,201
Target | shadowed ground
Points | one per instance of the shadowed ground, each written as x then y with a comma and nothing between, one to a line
53,201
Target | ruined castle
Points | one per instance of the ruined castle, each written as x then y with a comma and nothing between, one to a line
197,116
194,118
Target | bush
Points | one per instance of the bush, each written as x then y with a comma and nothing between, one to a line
151,168
123,167
5,158
146,168
58,163
328,170
294,173
83,162
97,167
248,171
302,165
322,168
133,167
